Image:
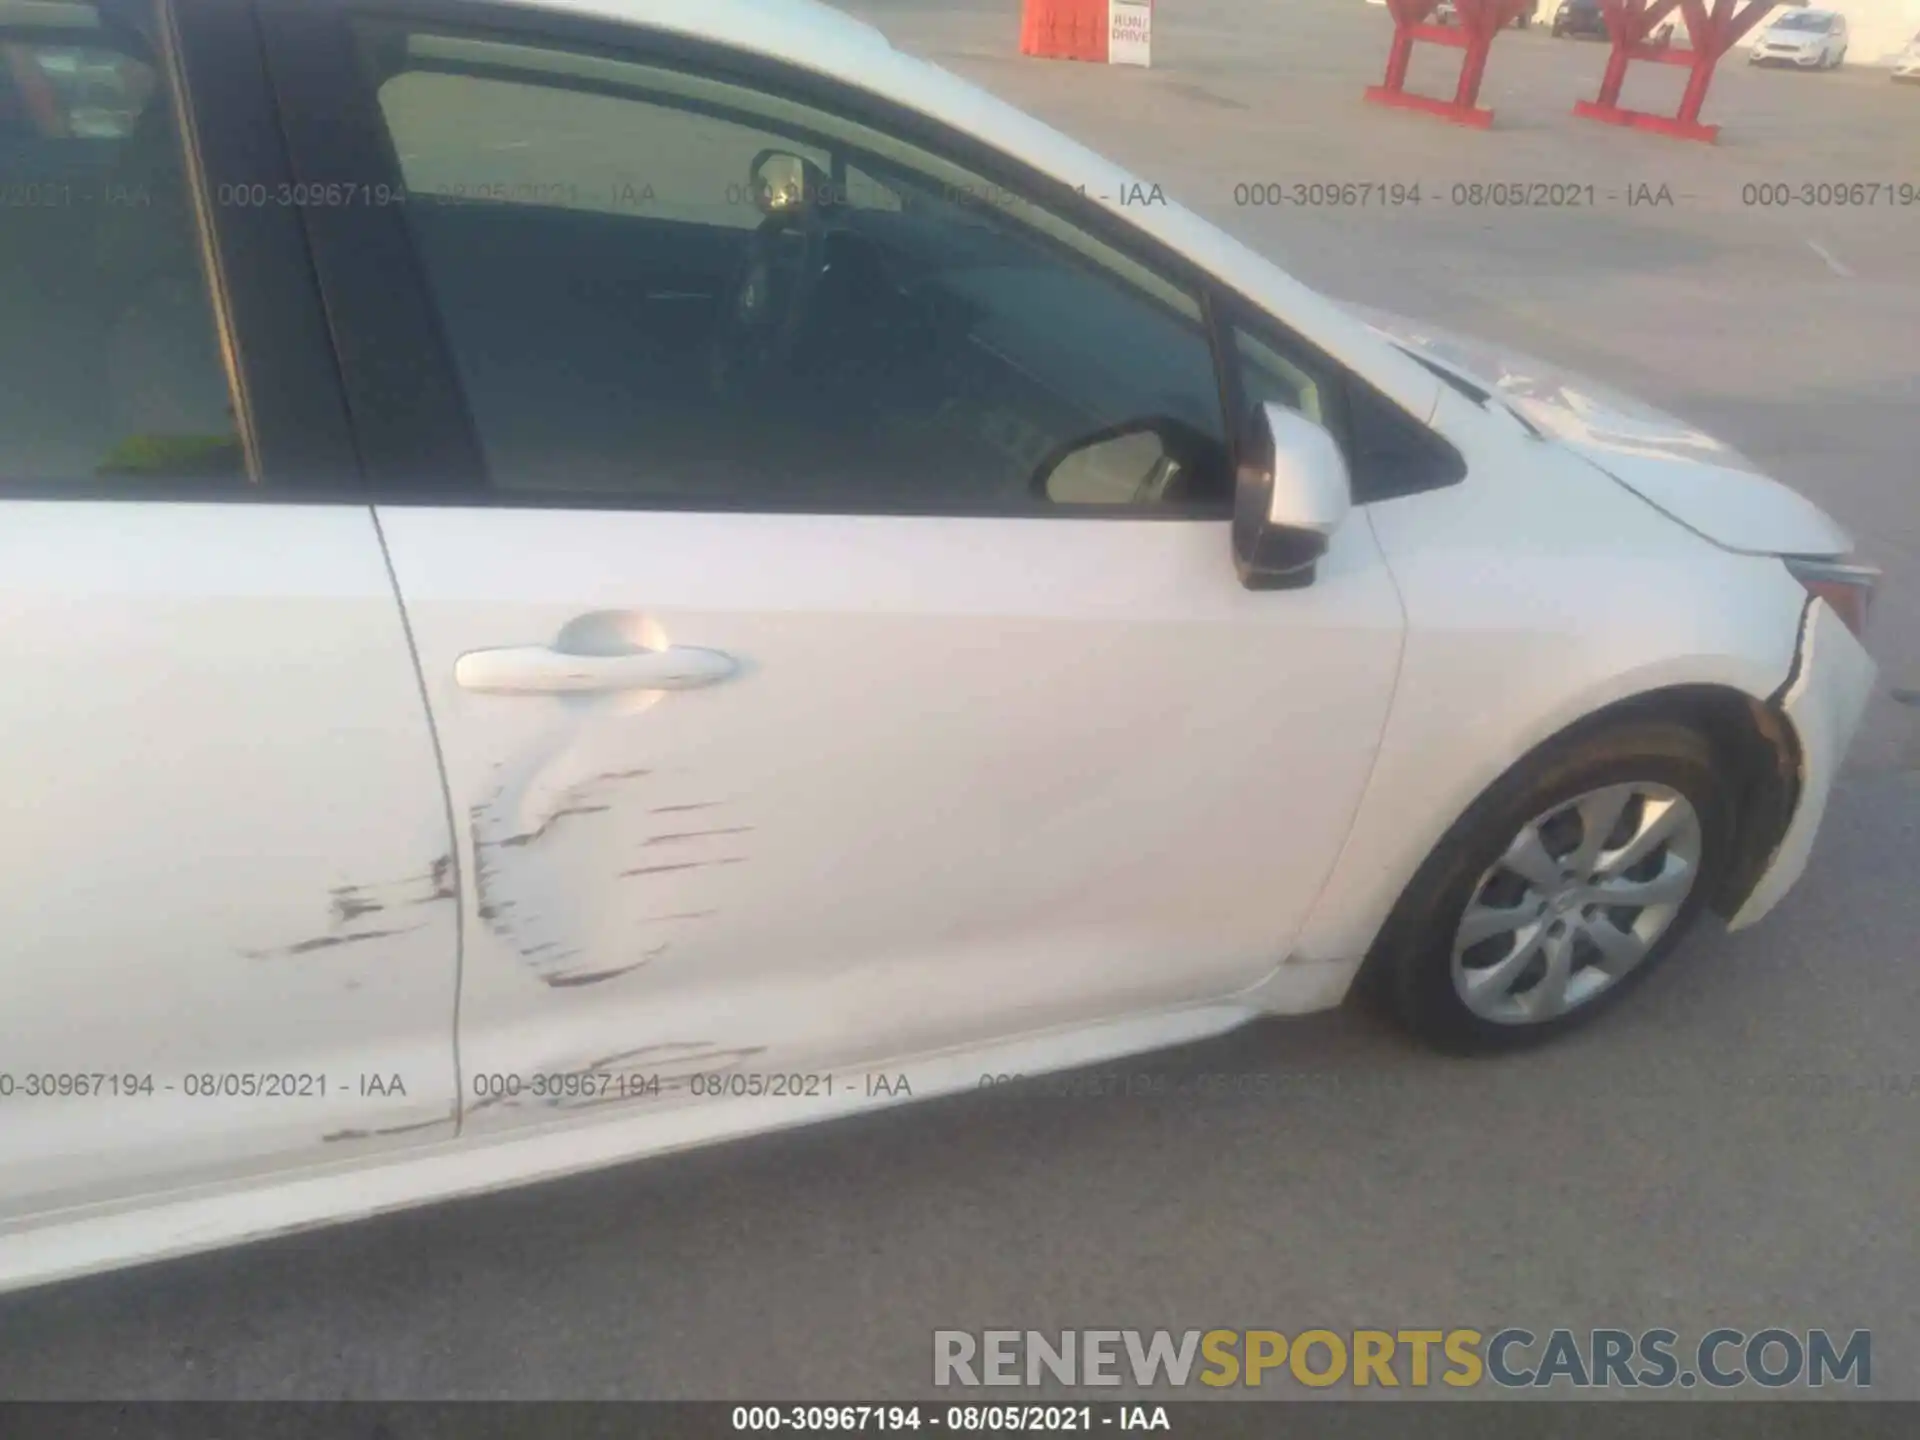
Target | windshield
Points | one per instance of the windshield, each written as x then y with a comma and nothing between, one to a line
1804,22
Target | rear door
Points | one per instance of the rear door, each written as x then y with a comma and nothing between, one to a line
228,885
794,721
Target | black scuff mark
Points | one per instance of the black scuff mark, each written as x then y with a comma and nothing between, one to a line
483,871
573,979
702,1058
540,832
682,809
677,915
703,1051
352,1134
437,880
328,942
678,836
682,1058
570,981
682,865
622,774
350,902
441,878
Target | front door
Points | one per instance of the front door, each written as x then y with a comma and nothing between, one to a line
841,658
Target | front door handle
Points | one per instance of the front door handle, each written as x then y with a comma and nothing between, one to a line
538,670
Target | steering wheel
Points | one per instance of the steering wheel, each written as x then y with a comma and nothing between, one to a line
765,310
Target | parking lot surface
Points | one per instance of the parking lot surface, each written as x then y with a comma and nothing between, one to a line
1738,1144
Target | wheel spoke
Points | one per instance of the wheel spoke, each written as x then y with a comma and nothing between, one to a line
1549,997
1624,830
1669,887
1599,813
1485,985
1659,821
1527,857
1620,950
1483,922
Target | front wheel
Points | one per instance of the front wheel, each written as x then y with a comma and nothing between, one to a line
1563,885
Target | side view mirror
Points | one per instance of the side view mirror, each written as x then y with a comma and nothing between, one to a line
1140,462
1290,494
783,183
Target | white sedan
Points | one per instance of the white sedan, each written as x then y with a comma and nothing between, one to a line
1907,65
1808,39
582,578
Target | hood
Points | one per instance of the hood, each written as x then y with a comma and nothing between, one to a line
1792,37
1703,483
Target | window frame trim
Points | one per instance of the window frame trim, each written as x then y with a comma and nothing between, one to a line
467,485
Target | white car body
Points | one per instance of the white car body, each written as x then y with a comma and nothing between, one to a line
988,796
1790,40
1907,65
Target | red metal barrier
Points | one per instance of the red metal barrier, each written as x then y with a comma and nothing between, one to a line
1480,21
1064,29
1630,22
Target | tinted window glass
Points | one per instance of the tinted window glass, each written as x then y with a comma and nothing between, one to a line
1269,377
109,361
1392,453
662,286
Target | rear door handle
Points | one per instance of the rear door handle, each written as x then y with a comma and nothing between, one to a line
538,670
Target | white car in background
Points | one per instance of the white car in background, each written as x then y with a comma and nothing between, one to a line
695,573
1806,38
1907,66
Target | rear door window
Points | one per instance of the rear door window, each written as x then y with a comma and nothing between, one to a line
110,362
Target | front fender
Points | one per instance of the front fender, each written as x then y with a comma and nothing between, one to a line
1538,593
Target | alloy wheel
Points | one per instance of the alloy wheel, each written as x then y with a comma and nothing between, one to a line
1576,902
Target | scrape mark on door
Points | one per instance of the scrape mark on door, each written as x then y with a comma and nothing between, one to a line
647,1072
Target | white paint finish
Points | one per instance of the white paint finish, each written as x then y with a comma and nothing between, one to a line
1696,479
213,726
972,779
214,1217
1537,594
975,777
1825,704
1750,514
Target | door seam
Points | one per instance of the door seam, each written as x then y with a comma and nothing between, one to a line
453,831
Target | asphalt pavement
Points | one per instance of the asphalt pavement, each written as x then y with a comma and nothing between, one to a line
1738,1144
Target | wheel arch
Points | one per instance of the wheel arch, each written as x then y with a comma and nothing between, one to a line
1756,749
1751,739
1753,745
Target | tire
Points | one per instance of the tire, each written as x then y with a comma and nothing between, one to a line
1412,969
